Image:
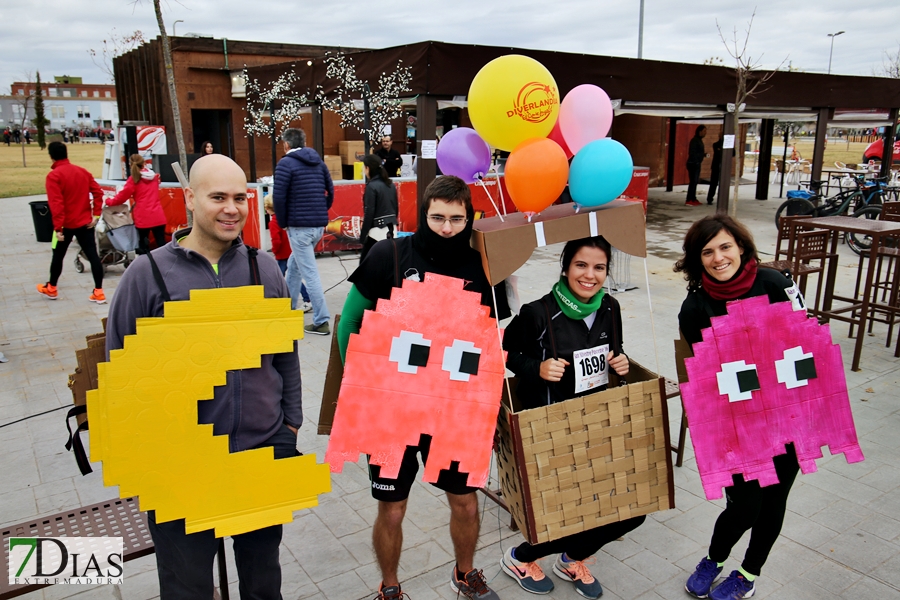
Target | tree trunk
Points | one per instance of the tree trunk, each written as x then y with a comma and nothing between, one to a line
173,96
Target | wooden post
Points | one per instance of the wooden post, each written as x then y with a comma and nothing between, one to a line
251,139
426,129
825,115
764,160
887,157
670,154
725,168
318,130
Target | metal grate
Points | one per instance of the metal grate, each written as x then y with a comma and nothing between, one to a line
619,277
113,518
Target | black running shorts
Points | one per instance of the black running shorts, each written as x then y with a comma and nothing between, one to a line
395,490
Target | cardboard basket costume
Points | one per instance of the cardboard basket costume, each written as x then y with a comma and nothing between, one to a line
597,459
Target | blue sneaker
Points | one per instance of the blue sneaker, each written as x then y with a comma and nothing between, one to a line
529,576
580,576
701,580
734,587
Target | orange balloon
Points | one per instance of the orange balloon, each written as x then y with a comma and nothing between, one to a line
536,174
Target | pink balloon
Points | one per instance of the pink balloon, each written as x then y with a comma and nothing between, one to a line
557,136
585,115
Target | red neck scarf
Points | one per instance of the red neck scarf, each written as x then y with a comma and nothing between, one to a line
735,287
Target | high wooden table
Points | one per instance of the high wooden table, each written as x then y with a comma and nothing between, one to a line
878,231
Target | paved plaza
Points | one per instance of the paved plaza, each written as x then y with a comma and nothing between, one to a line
841,537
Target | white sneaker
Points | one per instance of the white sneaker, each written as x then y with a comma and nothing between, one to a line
306,306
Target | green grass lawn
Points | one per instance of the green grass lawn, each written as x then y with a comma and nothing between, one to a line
28,181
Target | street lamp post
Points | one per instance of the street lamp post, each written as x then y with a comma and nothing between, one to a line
641,32
830,52
174,25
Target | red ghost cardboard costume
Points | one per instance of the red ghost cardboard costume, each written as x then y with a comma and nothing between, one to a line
427,361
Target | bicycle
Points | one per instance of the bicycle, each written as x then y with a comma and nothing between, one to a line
815,205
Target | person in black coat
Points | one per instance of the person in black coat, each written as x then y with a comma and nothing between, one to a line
390,158
379,205
696,154
561,347
720,265
716,167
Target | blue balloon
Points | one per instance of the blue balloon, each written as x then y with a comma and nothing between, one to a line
600,172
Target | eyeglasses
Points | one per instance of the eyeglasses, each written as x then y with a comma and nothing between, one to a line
439,220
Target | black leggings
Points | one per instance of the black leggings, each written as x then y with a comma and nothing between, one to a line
579,546
159,235
85,237
761,510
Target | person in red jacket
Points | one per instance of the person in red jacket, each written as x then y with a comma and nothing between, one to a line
281,250
143,186
75,201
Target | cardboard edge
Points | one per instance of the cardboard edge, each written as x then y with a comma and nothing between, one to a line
668,439
331,389
530,529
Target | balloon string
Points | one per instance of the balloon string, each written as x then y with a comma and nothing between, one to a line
500,337
500,188
650,306
480,182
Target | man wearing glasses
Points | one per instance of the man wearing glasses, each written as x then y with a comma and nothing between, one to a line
440,245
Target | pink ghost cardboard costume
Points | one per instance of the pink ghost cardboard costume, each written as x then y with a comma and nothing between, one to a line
427,361
765,376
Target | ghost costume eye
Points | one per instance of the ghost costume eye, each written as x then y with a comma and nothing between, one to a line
461,360
410,351
737,380
796,368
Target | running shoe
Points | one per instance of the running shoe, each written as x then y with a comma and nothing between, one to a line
734,587
322,329
528,575
391,592
578,573
306,307
699,583
692,203
473,586
47,290
98,296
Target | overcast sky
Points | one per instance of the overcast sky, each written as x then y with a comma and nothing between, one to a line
54,36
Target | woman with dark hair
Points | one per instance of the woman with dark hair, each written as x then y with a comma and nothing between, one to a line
561,347
379,205
696,154
206,148
143,186
720,265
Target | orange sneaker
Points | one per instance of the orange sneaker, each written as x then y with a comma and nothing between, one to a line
47,290
98,296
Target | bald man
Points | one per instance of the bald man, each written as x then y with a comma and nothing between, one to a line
255,408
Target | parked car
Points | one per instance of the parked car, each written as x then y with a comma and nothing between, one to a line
875,150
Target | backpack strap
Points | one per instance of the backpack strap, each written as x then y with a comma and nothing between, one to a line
157,276
255,279
74,443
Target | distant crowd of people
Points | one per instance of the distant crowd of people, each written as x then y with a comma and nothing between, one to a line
16,136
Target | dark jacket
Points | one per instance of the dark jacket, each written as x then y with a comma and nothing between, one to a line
528,344
391,159
253,403
696,151
379,206
696,308
303,190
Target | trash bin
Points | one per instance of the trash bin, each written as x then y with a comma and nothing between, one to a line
43,222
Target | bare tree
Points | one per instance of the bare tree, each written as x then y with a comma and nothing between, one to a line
173,95
24,102
114,46
750,81
890,64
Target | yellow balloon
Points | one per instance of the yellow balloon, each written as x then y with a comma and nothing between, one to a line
513,98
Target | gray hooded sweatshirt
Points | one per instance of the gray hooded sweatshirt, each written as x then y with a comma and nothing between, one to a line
254,403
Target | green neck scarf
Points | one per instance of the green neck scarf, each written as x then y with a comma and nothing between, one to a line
571,306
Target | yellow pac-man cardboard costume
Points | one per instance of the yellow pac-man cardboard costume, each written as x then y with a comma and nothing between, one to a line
144,426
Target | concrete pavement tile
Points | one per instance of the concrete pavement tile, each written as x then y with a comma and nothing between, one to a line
424,557
888,504
340,519
890,572
841,516
697,523
667,543
805,532
884,477
623,549
617,577
806,499
323,559
18,505
832,576
651,566
883,526
58,503
870,589
843,487
19,470
859,550
56,466
788,560
140,586
801,590
359,544
343,586
54,488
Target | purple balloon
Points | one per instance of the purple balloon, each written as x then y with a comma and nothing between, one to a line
463,153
